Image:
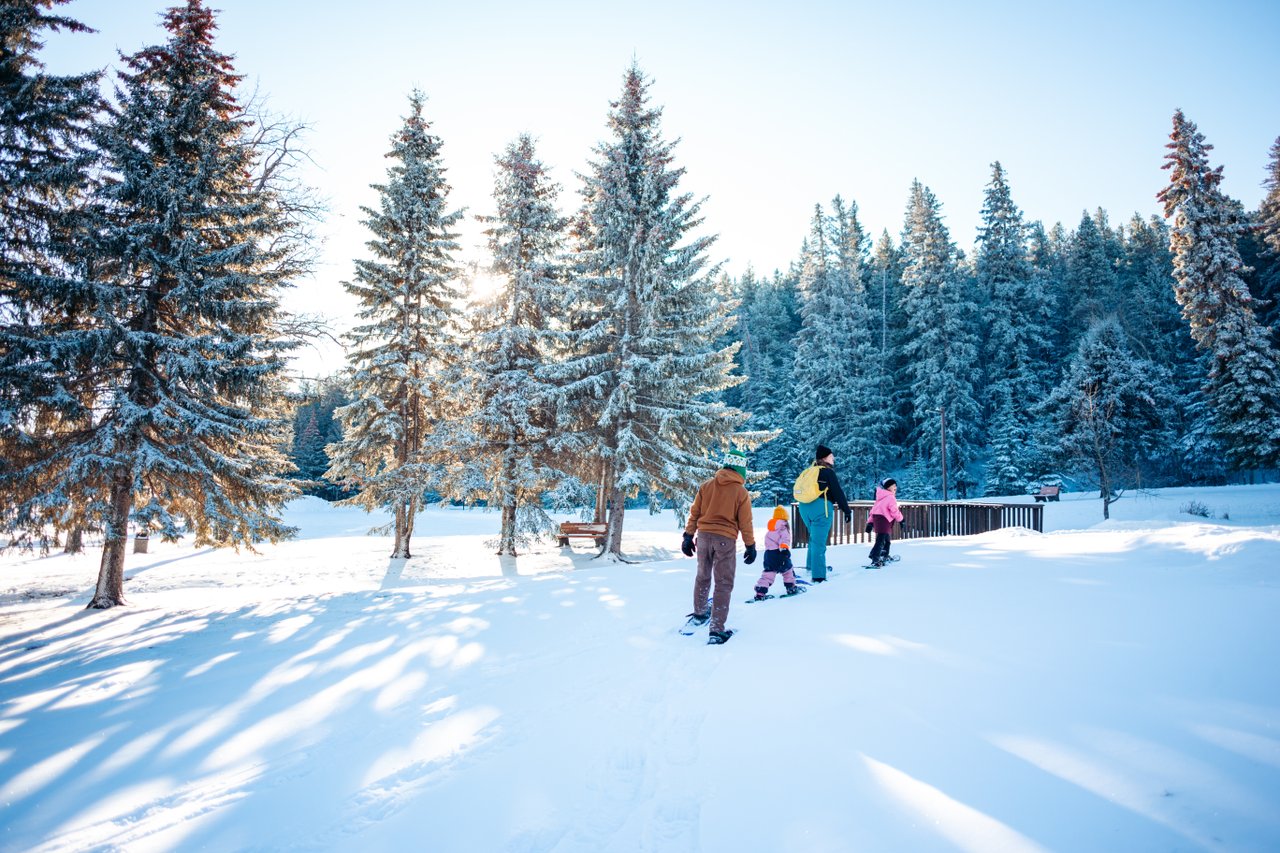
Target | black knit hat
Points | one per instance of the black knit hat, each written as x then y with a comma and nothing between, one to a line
888,481
822,452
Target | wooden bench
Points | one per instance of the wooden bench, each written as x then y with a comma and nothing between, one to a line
570,529
1047,493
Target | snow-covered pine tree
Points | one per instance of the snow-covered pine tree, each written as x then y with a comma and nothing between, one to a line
824,381
1243,381
1267,222
771,321
865,448
404,354
1090,278
885,295
1109,412
515,335
308,454
918,483
44,151
44,175
640,392
1016,339
176,357
941,346
1047,272
1150,313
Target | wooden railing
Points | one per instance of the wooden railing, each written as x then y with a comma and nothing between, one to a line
924,519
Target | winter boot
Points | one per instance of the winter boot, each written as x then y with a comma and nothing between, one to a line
761,592
792,589
699,618
719,638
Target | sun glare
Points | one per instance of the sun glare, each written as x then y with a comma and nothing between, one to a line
484,286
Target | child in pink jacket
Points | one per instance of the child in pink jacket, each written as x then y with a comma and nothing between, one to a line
883,514
777,555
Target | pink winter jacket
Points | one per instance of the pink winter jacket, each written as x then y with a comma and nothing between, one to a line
886,505
779,535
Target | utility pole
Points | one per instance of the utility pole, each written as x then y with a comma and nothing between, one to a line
944,453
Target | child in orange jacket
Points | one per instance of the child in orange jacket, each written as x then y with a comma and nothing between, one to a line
777,556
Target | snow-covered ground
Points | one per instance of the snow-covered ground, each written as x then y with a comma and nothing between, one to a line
1096,687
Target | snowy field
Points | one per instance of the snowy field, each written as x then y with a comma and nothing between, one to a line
1098,687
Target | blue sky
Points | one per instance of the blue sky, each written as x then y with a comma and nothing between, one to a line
778,105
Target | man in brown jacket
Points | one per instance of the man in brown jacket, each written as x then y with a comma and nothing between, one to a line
720,512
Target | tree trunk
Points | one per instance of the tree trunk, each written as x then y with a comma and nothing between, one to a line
507,538
404,529
617,511
75,541
1106,491
110,590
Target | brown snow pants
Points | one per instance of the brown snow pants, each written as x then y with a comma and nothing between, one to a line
718,560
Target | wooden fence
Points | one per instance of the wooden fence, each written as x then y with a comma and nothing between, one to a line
924,519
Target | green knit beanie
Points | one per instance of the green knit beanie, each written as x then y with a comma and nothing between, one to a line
737,460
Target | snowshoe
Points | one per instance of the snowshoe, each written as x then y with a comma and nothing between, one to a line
694,622
719,638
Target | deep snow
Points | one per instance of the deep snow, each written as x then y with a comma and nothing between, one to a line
1097,687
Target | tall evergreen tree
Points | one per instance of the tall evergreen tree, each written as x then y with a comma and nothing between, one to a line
404,354
1016,336
771,321
1243,380
639,393
508,435
1090,277
44,151
178,359
1110,411
885,297
318,400
824,380
45,159
1048,272
866,446
1268,232
941,347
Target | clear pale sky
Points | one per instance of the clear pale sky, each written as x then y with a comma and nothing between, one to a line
779,105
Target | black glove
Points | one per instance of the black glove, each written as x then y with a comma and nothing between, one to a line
686,545
749,555
848,517
869,526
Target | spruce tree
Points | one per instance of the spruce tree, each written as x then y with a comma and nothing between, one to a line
1268,231
825,379
176,357
507,438
45,161
639,393
1047,274
771,313
869,418
405,354
1243,382
885,297
1109,412
1016,337
44,151
1090,278
941,345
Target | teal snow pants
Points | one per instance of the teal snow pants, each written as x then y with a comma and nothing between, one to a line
817,516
